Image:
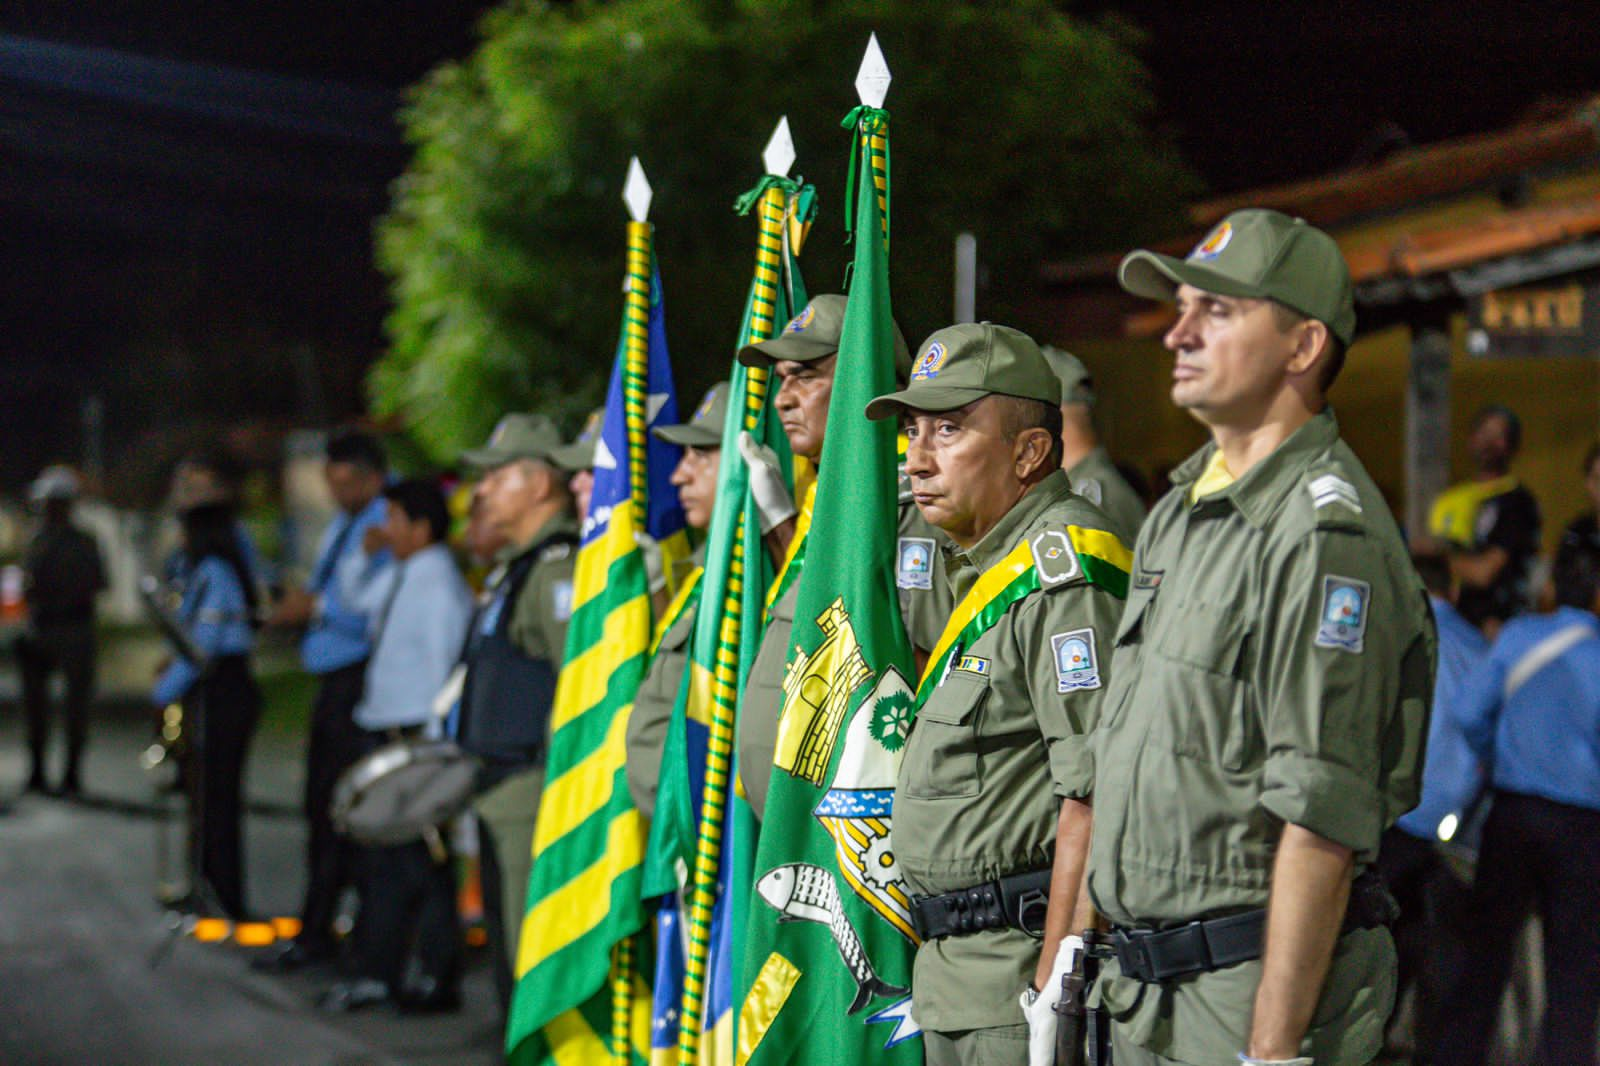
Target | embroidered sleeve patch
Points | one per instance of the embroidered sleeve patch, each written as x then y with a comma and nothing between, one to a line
561,601
1075,662
1343,619
914,563
1053,557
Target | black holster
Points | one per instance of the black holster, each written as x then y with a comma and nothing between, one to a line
1083,1033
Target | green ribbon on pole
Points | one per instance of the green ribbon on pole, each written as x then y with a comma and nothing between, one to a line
869,120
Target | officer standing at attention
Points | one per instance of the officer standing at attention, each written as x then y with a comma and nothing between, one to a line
803,358
514,652
994,785
1083,457
696,480
1270,685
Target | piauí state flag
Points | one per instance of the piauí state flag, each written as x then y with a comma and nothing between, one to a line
701,842
582,992
830,941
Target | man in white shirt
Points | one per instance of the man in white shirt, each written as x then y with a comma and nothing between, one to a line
417,636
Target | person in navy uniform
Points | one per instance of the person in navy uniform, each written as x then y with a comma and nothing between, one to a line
345,580
220,700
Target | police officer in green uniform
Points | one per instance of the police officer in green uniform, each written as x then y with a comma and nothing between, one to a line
1270,685
1083,457
803,357
696,480
514,652
994,786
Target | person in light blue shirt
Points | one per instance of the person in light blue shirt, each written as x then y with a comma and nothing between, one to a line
1531,710
336,608
417,635
1428,936
220,701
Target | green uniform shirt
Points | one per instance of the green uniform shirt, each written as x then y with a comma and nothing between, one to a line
998,743
1274,664
544,607
655,700
924,606
1097,478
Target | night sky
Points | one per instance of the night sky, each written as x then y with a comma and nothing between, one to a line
180,181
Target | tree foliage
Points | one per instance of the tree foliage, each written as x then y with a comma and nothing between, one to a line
1017,122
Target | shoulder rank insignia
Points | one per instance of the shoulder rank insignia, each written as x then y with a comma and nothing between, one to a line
1343,620
1330,489
1076,667
1054,558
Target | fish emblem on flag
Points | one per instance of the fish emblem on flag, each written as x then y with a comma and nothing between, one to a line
803,892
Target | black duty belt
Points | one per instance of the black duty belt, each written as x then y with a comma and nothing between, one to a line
1015,902
1212,944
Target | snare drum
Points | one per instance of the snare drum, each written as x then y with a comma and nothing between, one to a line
399,792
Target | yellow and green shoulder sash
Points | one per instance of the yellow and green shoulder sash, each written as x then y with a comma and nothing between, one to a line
1049,558
687,599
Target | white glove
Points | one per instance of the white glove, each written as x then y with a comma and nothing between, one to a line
1303,1060
773,502
1040,1007
655,576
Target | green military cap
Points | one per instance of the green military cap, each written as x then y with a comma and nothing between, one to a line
814,334
518,436
1258,254
1076,384
960,364
579,453
704,428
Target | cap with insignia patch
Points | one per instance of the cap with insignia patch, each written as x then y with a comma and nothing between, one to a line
516,436
1256,254
960,364
579,454
704,428
814,334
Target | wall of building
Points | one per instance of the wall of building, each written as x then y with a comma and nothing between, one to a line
1558,399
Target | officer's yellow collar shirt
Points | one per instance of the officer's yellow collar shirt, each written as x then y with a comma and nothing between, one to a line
1213,479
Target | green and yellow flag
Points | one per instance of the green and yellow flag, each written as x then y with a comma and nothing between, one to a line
830,941
701,840
582,993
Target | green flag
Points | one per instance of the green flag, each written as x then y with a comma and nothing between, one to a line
829,939
700,822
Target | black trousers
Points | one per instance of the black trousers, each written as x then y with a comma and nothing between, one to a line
408,901
1430,935
1543,857
493,917
222,711
71,650
333,745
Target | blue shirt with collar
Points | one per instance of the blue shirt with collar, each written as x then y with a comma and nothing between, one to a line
418,636
216,615
1452,774
341,580
1542,737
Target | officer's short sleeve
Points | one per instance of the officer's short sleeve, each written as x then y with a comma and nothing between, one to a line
652,714
1347,665
543,608
1064,639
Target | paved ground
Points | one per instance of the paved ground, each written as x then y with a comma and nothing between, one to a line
79,922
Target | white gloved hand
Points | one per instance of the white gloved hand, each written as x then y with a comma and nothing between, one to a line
1303,1060
655,575
773,502
1040,1008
